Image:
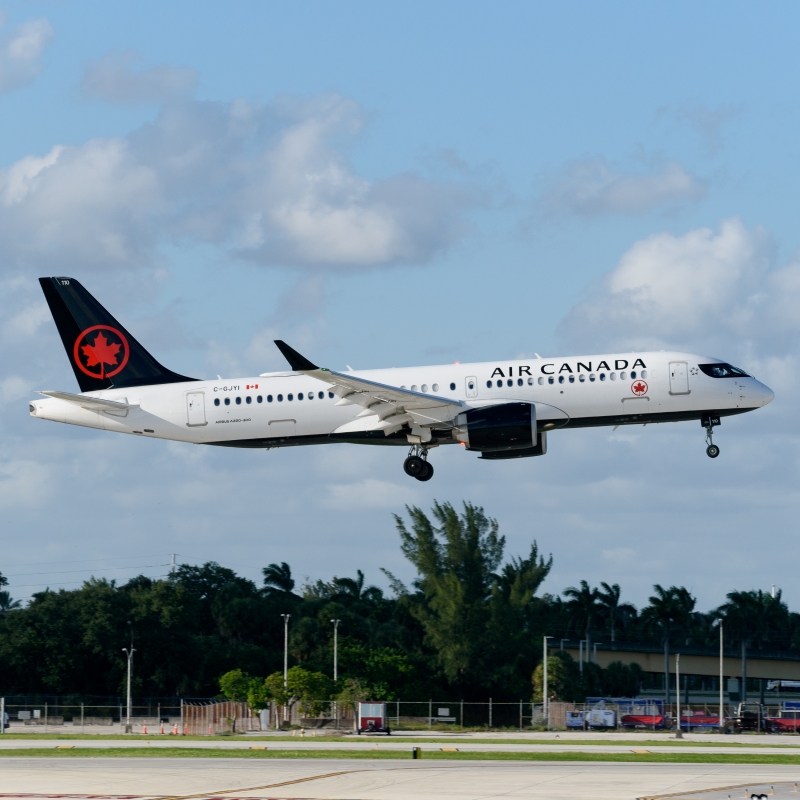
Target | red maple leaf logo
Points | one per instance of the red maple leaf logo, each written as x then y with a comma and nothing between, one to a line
101,351
108,350
640,387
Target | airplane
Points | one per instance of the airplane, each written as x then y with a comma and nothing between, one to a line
501,409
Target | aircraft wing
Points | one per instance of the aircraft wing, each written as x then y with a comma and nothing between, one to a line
392,406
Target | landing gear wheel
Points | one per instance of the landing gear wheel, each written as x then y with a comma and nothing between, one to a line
428,474
712,451
414,466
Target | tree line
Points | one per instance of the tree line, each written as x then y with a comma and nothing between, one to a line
469,626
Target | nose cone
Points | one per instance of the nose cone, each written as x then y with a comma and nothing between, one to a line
766,395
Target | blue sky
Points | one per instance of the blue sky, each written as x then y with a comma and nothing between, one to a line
389,185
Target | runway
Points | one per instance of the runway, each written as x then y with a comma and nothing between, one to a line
344,779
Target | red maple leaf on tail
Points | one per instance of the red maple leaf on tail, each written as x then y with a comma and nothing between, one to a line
102,352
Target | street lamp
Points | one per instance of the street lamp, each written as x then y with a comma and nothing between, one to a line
129,654
335,649
336,664
545,698
285,657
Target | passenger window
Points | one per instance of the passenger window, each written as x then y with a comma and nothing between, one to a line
330,394
488,384
591,378
435,387
269,398
509,382
424,387
248,399
551,380
622,376
300,396
227,401
311,395
541,381
259,399
633,376
216,401
581,377
290,397
280,398
613,376
561,379
452,387
238,401
321,395
572,379
519,381
602,376
644,373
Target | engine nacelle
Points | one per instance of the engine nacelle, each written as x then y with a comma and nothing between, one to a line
498,429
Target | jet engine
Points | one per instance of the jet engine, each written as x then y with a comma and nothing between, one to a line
502,431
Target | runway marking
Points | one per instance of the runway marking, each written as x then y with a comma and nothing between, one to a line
688,793
256,788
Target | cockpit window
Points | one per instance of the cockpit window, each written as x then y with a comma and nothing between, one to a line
722,371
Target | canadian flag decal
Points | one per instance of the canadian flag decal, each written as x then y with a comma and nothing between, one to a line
254,386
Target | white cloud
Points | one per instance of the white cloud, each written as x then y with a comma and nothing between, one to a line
266,183
591,187
21,53
686,291
115,80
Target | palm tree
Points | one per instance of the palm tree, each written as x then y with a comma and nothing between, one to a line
752,617
583,607
278,578
612,609
7,604
670,610
355,588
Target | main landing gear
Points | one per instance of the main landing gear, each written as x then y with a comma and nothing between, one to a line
708,422
416,465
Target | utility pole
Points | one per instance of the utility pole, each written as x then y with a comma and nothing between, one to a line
678,731
721,669
335,649
545,698
172,564
285,657
129,654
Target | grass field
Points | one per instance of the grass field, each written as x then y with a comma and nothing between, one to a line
427,754
757,741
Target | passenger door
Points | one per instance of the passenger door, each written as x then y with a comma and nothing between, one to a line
678,377
195,409
472,386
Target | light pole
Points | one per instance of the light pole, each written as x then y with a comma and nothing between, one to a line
335,649
129,654
285,656
721,670
678,731
336,664
545,698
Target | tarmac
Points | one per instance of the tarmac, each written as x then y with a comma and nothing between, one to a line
343,779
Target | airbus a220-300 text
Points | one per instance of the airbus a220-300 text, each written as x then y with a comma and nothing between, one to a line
501,409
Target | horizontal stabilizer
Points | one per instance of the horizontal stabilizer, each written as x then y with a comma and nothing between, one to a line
86,401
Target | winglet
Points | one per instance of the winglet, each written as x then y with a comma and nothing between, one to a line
296,361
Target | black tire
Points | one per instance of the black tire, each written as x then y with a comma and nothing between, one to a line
414,466
712,451
427,475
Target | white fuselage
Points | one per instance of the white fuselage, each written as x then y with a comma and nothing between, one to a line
286,408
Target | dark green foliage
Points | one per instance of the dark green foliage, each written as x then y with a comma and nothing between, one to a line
469,626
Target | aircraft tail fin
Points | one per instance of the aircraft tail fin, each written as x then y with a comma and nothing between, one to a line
102,353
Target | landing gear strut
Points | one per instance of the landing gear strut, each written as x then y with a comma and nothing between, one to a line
416,465
708,422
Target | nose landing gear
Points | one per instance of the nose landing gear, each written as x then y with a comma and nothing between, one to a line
416,465
708,422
